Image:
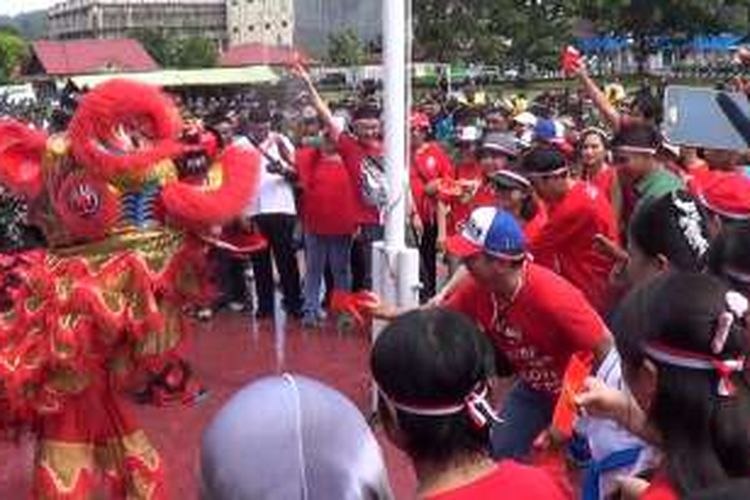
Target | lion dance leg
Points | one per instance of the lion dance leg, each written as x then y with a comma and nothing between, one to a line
96,438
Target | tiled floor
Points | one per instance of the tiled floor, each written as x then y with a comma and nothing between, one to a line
227,353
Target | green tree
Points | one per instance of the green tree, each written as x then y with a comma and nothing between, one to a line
678,19
195,52
492,31
172,52
345,48
13,52
160,47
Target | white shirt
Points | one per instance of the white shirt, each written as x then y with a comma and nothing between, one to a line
275,194
606,437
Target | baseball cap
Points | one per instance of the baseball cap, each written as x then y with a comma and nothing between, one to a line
501,142
491,231
548,130
525,118
726,194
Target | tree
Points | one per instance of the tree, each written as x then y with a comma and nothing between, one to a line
157,44
172,52
13,51
644,20
195,52
346,49
536,30
492,31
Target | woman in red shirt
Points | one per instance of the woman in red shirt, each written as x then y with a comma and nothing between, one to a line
683,343
429,165
432,369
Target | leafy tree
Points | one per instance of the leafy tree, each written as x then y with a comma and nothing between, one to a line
13,51
195,52
345,48
645,19
157,44
493,31
536,30
172,52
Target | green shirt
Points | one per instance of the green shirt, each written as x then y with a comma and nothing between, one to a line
656,184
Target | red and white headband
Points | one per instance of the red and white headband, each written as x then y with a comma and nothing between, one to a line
736,307
475,404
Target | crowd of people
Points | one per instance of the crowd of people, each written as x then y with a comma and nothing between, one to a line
549,240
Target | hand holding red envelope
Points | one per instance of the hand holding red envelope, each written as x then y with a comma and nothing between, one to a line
578,369
572,60
359,305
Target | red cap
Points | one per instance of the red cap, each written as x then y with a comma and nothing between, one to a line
419,120
725,193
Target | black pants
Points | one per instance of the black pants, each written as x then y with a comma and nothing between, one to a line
428,262
278,229
230,281
362,256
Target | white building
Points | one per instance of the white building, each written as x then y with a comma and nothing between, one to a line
76,19
317,19
269,22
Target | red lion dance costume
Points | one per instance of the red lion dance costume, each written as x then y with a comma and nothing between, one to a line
105,301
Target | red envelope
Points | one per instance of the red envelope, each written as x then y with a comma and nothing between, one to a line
571,59
578,369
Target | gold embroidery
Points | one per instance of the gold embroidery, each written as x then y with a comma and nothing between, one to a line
65,462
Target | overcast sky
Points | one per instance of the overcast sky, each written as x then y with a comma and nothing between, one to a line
13,7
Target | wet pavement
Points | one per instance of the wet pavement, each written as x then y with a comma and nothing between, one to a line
226,354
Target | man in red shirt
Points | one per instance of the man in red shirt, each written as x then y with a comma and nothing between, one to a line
577,213
329,219
535,318
429,165
365,145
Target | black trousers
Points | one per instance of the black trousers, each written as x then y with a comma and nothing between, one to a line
278,229
362,256
230,279
428,262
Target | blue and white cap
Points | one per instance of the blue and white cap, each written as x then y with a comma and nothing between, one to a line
491,231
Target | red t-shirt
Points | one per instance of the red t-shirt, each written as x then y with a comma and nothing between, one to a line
429,163
328,203
566,242
533,227
509,480
660,489
538,331
604,179
354,152
460,209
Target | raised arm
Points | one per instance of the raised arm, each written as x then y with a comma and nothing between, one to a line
320,105
608,111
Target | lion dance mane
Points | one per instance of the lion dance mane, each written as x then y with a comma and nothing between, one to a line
80,319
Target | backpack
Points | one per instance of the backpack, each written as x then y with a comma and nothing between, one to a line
373,183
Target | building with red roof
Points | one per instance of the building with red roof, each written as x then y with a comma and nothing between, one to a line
77,57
